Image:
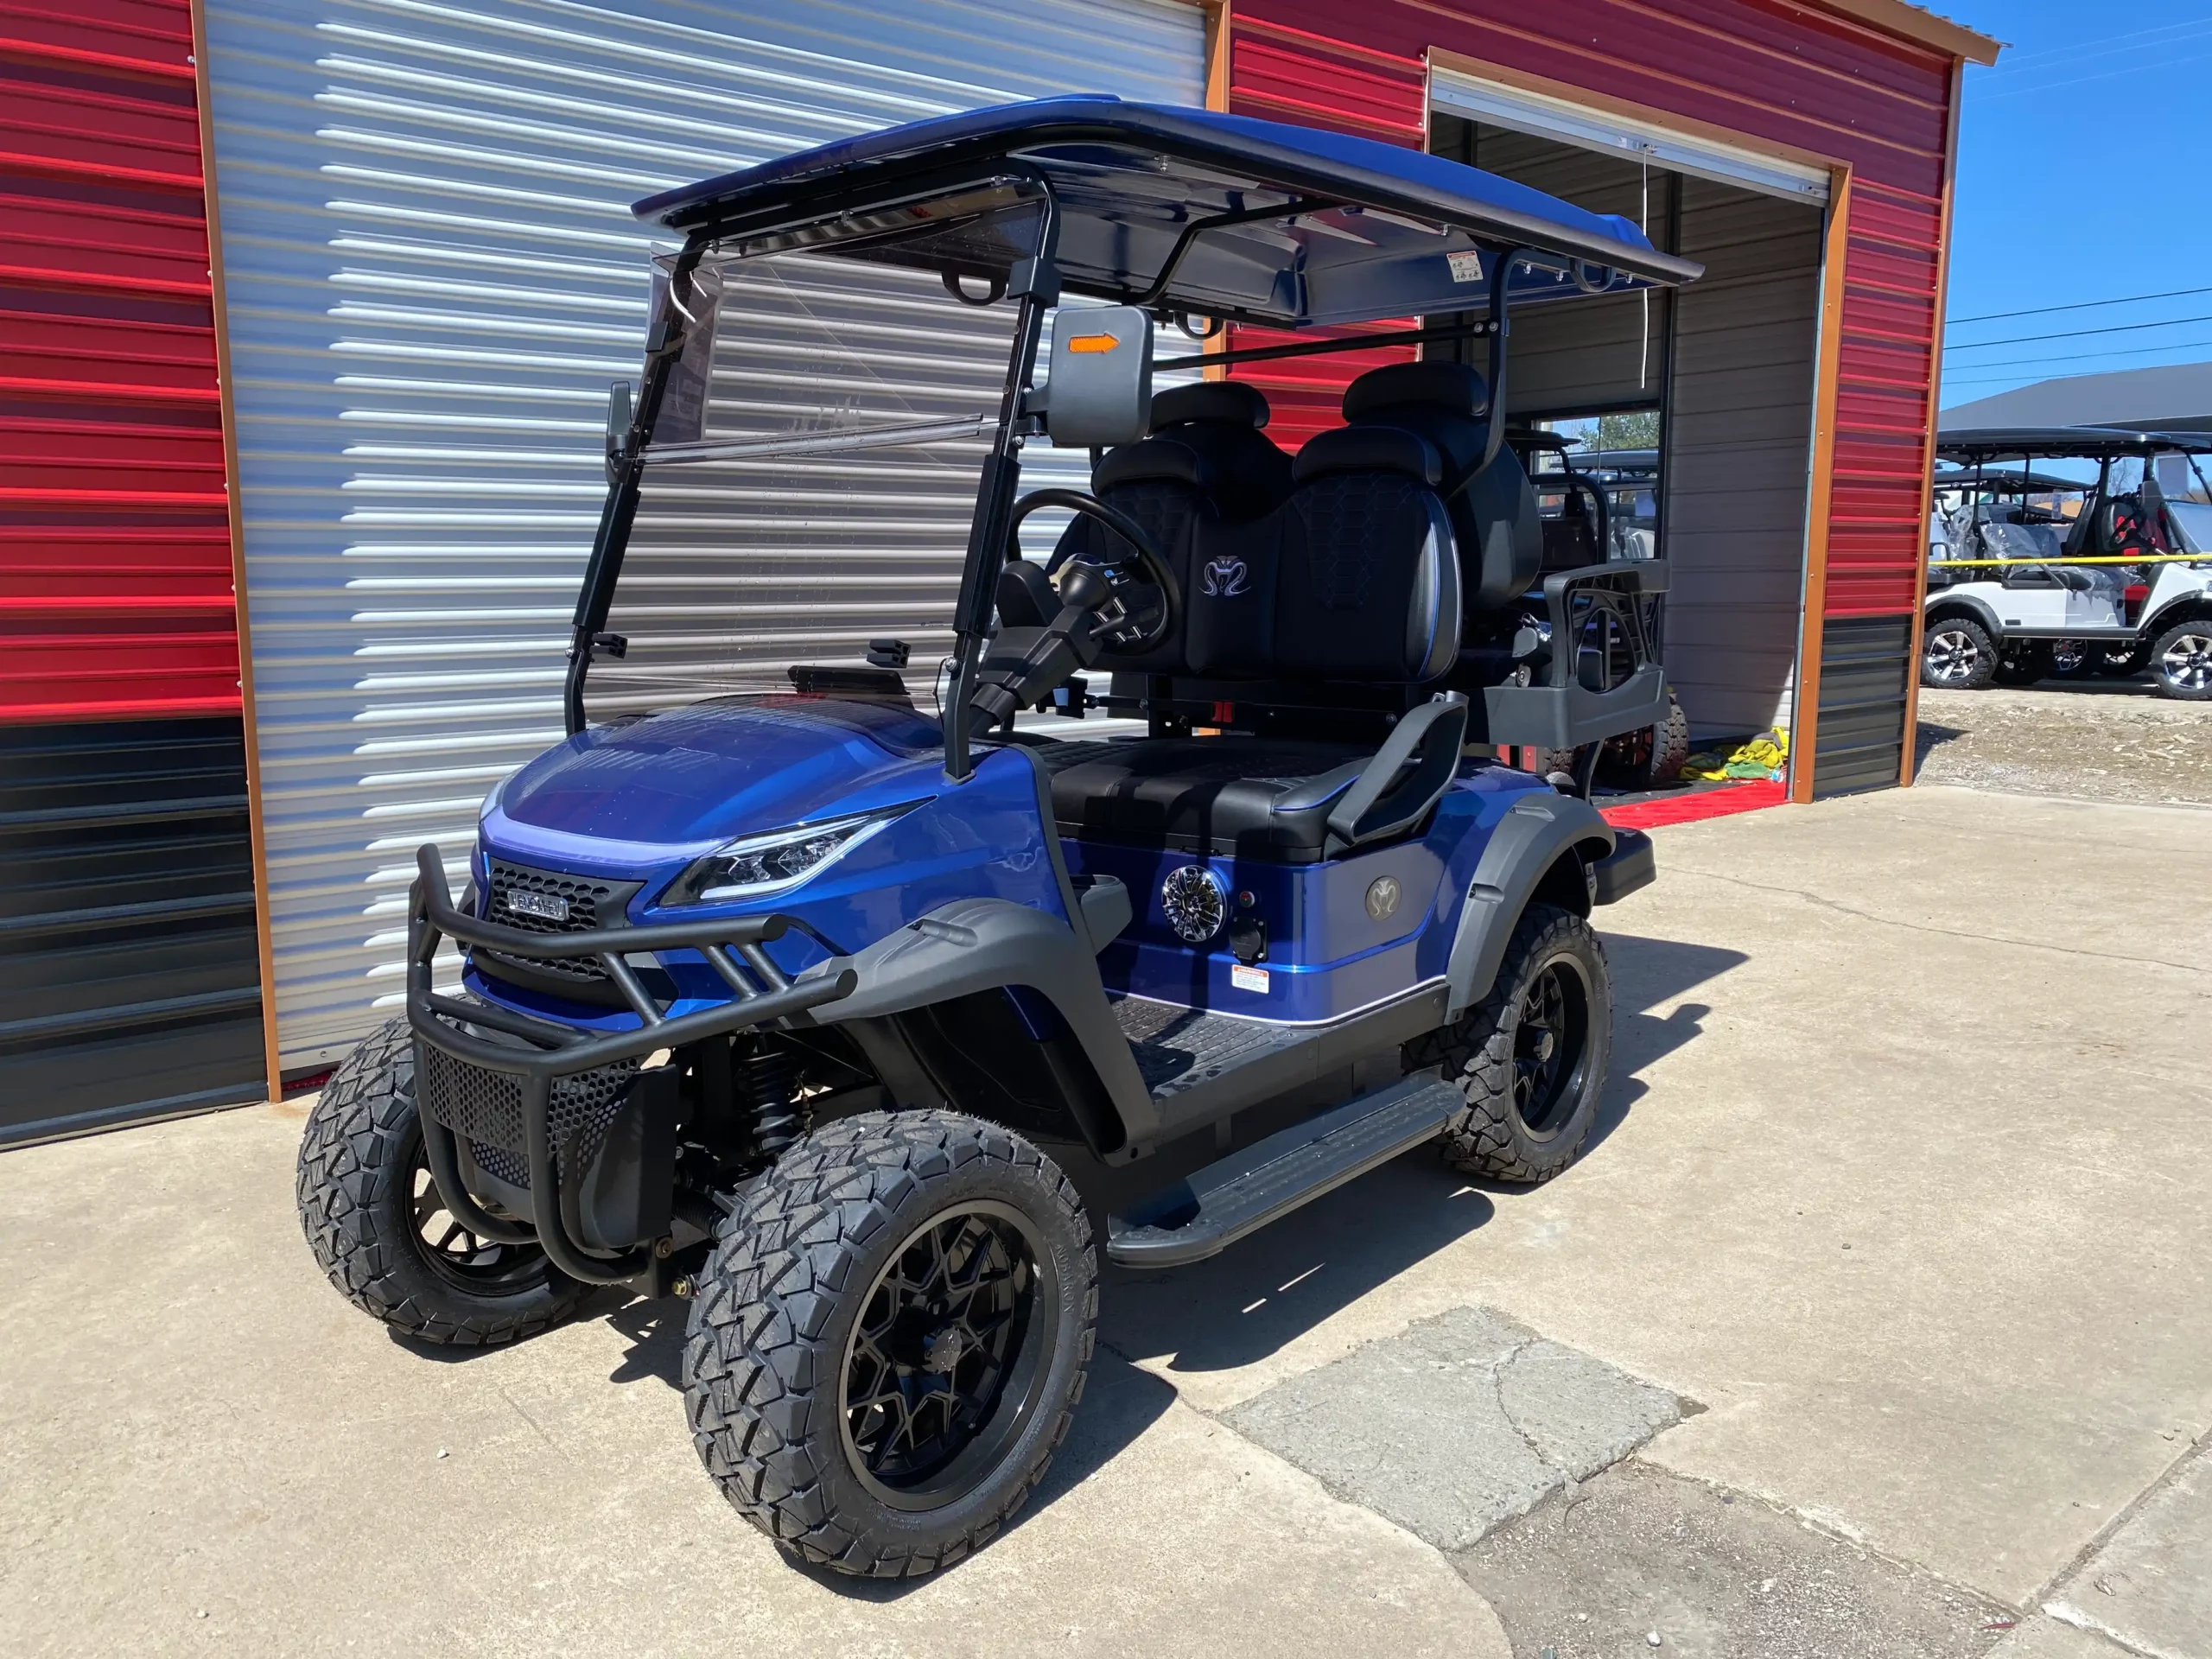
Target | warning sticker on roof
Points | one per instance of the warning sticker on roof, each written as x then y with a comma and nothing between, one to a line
1466,267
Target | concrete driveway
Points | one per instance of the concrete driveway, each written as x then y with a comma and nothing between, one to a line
1896,1233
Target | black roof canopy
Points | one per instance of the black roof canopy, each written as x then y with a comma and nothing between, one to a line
1969,445
1316,227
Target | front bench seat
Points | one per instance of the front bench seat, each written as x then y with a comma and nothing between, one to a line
1355,579
1207,462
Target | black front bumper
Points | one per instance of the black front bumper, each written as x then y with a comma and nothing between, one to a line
567,1127
1628,866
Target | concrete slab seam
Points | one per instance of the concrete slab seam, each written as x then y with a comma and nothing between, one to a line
2104,1535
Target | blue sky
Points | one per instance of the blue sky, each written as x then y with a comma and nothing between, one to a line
2080,179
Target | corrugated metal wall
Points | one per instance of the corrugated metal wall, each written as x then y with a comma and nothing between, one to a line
433,276
1740,432
115,552
127,951
1823,84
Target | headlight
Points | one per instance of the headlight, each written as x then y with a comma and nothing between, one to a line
783,858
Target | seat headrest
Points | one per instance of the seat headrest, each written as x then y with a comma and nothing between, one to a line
1151,460
1370,449
1454,388
1230,402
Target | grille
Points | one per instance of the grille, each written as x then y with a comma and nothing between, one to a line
592,903
484,1109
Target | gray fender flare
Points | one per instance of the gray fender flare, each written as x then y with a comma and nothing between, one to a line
981,945
1527,843
1950,599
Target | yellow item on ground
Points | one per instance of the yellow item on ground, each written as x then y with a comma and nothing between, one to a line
1763,756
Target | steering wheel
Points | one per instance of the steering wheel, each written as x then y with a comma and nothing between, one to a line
1124,633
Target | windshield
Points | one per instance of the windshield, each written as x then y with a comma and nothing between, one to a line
815,462
2194,520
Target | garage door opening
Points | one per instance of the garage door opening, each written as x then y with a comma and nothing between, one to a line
1718,380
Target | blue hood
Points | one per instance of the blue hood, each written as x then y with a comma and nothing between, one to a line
700,776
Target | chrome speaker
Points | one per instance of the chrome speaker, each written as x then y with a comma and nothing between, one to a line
1195,903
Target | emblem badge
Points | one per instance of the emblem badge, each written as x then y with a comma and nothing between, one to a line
551,908
1383,896
1226,578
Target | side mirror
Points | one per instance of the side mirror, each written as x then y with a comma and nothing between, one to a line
618,426
1101,387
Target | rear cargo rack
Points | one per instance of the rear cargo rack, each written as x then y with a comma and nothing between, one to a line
541,1052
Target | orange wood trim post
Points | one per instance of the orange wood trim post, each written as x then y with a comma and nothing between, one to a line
1217,24
1819,497
1907,762
264,938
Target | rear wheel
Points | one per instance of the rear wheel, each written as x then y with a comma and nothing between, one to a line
2123,662
2182,659
380,1231
1649,757
2024,665
1530,1058
890,1339
2076,659
1957,654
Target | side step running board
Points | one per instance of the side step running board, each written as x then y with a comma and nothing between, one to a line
1205,1214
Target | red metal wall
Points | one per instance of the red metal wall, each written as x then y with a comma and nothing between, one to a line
116,597
1765,68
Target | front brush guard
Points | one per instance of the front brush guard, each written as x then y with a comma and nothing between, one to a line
760,993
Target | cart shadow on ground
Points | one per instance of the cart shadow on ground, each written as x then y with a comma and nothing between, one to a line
1265,1293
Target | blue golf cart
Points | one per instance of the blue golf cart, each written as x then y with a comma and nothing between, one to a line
793,979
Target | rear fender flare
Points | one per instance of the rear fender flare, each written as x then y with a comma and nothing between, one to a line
981,945
1534,834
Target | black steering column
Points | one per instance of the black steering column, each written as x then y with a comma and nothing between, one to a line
1129,602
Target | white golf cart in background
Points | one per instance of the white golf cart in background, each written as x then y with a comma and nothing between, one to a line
2033,574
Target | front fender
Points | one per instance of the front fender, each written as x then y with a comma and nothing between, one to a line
1528,842
981,945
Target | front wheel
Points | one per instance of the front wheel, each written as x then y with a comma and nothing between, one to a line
380,1231
2182,659
1957,655
890,1338
1530,1058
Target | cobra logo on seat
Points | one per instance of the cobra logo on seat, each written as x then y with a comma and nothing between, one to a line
1225,578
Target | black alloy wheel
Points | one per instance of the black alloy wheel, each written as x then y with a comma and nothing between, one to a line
1551,1046
445,1246
945,1361
1530,1058
890,1337
381,1231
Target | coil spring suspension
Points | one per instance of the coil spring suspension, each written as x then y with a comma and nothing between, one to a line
767,1086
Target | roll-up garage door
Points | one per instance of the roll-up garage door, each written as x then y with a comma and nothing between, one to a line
433,277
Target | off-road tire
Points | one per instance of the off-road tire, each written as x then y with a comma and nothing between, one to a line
1477,1055
1978,665
773,1317
359,1166
2025,664
1651,758
2181,661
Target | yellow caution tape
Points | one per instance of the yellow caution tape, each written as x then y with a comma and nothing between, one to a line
2144,558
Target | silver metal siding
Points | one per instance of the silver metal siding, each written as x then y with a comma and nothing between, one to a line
433,276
